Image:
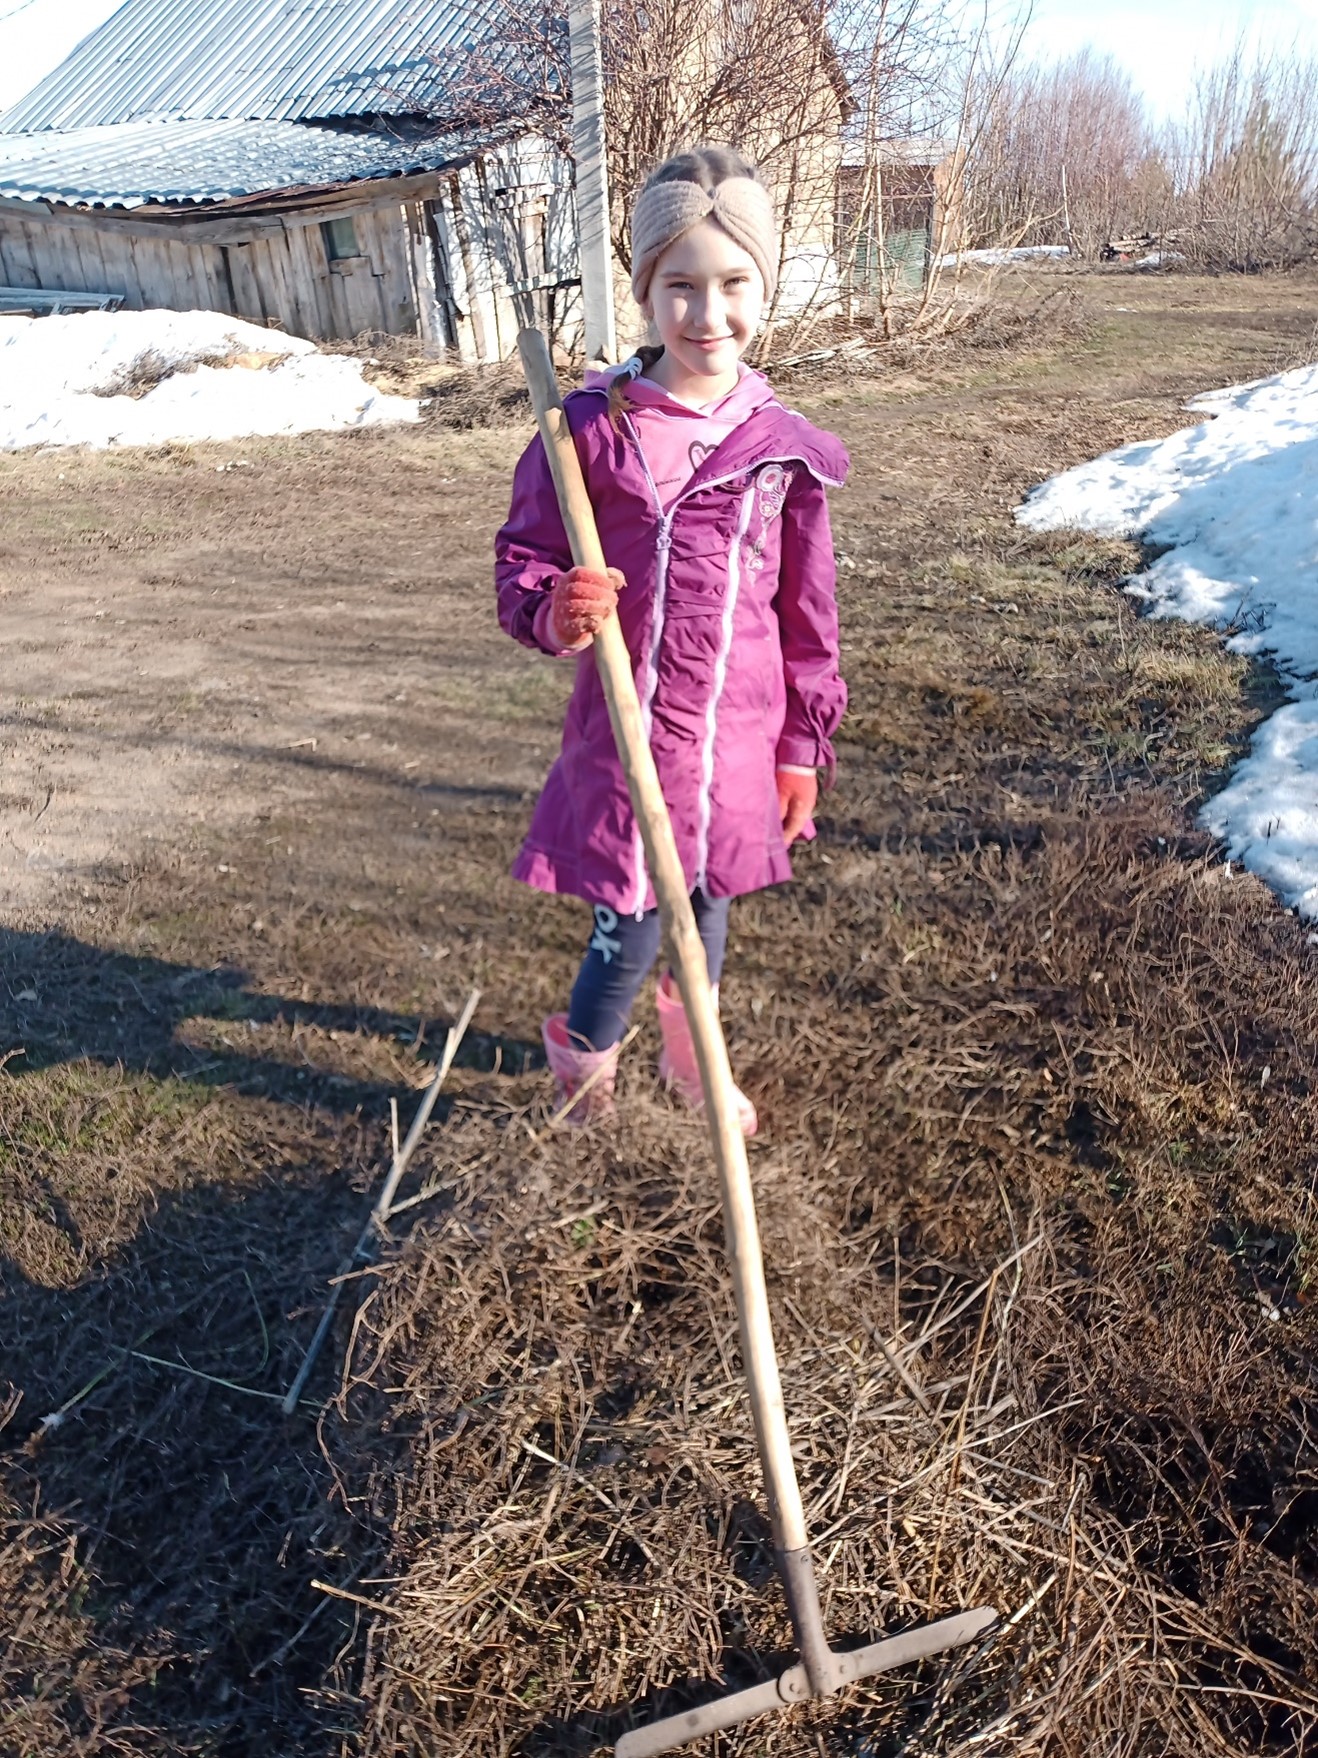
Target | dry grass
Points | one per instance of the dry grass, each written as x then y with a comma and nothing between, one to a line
463,398
146,371
1059,1208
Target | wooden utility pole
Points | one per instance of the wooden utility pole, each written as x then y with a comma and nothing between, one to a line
592,180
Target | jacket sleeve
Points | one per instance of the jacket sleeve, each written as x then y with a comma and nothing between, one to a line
806,604
530,550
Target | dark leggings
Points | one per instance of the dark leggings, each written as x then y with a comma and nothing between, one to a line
618,959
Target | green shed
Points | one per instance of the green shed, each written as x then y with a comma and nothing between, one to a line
885,246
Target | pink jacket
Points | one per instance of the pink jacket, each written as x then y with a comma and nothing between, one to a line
731,621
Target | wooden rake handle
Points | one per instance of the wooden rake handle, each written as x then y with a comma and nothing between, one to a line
688,961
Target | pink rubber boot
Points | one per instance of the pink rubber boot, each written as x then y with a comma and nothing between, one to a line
573,1067
678,1068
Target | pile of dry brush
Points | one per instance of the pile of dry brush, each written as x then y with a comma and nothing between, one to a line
1034,1220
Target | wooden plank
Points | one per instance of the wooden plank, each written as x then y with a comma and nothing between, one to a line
497,303
436,271
265,268
18,262
246,287
283,281
301,291
398,294
137,296
118,254
361,300
307,272
155,277
310,206
471,293
53,256
131,276
173,283
340,316
135,224
96,272
366,226
30,240
210,271
68,264
229,300
326,283
307,247
232,224
420,262
194,259
371,292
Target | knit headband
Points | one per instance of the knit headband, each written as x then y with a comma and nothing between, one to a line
664,211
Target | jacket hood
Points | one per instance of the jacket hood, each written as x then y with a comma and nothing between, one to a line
768,428
751,391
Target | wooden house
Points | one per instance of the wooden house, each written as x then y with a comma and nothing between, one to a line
286,161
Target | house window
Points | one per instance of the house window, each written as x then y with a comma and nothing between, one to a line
340,238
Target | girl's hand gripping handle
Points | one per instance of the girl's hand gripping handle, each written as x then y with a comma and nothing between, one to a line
581,602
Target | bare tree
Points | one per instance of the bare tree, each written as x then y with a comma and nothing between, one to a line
1246,163
1066,156
832,98
764,75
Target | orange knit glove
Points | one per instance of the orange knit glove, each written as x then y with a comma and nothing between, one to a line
798,790
583,600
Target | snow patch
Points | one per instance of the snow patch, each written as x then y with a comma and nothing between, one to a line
995,258
142,378
1232,508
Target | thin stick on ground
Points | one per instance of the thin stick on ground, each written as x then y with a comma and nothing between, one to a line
380,1211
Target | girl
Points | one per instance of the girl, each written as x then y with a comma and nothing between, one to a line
709,496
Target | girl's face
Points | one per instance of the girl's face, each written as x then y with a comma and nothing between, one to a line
706,300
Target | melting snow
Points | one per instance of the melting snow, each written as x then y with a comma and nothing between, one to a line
59,376
995,258
1231,510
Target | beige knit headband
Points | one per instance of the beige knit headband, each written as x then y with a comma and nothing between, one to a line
664,211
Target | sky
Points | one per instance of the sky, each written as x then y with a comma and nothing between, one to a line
1157,41
36,35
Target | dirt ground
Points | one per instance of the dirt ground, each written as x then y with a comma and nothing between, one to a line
1036,1074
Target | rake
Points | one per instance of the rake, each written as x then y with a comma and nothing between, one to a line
821,1671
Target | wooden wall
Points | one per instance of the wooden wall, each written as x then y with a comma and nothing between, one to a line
267,269
145,270
433,259
526,179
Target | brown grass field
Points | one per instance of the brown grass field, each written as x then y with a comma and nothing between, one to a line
1037,1075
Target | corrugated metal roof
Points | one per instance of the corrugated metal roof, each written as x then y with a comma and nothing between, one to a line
270,60
135,163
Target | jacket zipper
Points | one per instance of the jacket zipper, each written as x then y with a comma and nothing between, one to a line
650,680
705,803
663,544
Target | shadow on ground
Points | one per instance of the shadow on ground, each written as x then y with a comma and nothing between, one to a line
160,1537
169,1220
62,1000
